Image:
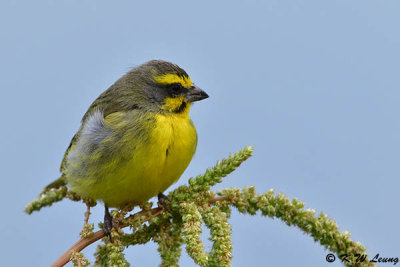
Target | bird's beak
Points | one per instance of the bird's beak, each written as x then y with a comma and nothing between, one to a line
195,94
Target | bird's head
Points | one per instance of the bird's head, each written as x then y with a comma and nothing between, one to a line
167,86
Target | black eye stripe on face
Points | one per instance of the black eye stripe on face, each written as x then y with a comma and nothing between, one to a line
175,88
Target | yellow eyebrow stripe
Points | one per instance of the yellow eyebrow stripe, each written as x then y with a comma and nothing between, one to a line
174,78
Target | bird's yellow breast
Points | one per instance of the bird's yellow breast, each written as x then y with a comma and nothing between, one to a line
174,141
157,164
136,168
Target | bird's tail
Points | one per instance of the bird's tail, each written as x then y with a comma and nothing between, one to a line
55,184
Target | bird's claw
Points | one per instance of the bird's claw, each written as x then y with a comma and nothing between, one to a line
162,200
108,224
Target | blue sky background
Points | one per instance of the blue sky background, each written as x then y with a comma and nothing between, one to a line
313,85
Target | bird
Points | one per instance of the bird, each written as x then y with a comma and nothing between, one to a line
135,140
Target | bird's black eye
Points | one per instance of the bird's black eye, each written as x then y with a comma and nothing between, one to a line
175,88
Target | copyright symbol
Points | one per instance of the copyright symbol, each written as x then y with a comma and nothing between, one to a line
330,257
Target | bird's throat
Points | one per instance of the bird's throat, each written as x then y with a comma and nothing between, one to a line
176,105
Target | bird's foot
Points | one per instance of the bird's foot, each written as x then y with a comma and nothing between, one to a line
108,224
162,200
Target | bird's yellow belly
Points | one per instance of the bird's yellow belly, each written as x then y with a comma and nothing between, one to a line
153,165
